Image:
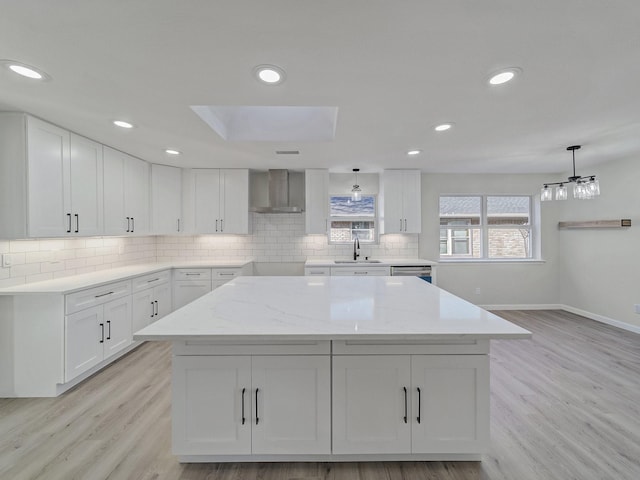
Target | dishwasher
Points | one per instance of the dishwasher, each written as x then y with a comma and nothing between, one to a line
422,271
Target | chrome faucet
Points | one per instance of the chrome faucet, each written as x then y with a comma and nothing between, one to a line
356,249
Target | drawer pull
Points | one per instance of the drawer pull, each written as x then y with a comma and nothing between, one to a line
104,294
193,274
227,274
154,280
360,273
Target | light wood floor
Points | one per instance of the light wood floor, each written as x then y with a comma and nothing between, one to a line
564,405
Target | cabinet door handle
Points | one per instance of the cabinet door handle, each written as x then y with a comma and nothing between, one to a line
405,404
157,309
102,328
216,224
152,310
133,224
128,224
109,325
400,224
419,401
222,225
243,419
69,227
257,418
405,224
103,295
77,222
178,225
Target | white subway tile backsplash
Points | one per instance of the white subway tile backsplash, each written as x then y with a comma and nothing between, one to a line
24,270
17,246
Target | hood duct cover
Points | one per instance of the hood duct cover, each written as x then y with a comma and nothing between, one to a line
278,194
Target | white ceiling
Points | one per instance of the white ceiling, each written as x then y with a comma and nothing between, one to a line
394,69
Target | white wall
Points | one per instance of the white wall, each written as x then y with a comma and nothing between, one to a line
599,269
513,283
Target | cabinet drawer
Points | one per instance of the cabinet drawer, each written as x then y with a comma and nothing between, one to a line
91,297
317,271
225,273
368,271
192,274
151,280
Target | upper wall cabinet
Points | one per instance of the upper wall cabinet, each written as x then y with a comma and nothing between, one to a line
316,201
217,200
166,200
126,194
50,180
401,210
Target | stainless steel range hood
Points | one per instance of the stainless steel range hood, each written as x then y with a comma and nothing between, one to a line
280,198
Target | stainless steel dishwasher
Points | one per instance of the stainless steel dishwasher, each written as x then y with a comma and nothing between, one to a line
422,271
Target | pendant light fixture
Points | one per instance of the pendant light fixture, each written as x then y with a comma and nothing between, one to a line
584,188
356,191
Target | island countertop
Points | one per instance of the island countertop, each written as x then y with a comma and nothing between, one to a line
329,308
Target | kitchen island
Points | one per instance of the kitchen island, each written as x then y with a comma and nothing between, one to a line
330,369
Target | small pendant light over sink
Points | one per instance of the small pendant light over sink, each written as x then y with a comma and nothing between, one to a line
356,191
584,188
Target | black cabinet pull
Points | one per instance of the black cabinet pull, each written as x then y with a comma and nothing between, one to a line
178,225
405,224
128,224
419,400
216,224
69,227
405,404
133,224
103,294
243,419
152,310
221,225
157,309
109,325
102,327
77,223
257,419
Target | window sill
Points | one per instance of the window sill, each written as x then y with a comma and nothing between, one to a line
460,261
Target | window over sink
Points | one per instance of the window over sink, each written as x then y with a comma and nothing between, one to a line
350,219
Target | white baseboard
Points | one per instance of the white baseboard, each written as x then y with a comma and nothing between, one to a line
568,308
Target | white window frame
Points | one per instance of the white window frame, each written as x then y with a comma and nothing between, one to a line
374,219
533,229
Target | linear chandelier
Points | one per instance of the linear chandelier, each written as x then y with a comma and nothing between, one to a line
585,187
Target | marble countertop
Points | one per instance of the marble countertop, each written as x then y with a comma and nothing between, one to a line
74,283
381,262
329,308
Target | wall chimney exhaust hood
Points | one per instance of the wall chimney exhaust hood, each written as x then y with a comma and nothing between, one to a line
280,198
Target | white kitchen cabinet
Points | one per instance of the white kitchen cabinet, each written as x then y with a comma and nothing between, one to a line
316,201
401,210
317,271
190,284
224,405
217,201
126,194
95,334
357,270
166,200
151,300
50,180
410,403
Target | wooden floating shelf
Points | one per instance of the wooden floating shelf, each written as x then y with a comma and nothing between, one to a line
622,223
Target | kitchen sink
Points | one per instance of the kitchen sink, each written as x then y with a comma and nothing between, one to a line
357,261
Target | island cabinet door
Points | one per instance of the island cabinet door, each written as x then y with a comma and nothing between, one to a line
450,403
292,404
371,404
211,408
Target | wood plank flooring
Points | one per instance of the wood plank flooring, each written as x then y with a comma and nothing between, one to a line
564,405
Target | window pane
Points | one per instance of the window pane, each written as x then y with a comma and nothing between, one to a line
344,231
509,243
344,206
508,210
460,242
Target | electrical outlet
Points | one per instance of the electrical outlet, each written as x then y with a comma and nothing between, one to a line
637,307
478,291
6,260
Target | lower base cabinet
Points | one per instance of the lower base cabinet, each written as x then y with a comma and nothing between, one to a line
251,404
410,404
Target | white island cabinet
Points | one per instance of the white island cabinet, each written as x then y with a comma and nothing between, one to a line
330,368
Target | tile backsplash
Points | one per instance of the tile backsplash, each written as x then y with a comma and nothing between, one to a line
274,238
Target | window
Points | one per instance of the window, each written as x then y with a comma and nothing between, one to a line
351,219
485,227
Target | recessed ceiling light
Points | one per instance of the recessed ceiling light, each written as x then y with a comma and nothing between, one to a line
443,127
25,70
122,124
172,152
414,152
269,74
504,76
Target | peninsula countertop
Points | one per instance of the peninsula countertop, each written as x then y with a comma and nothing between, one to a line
329,308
